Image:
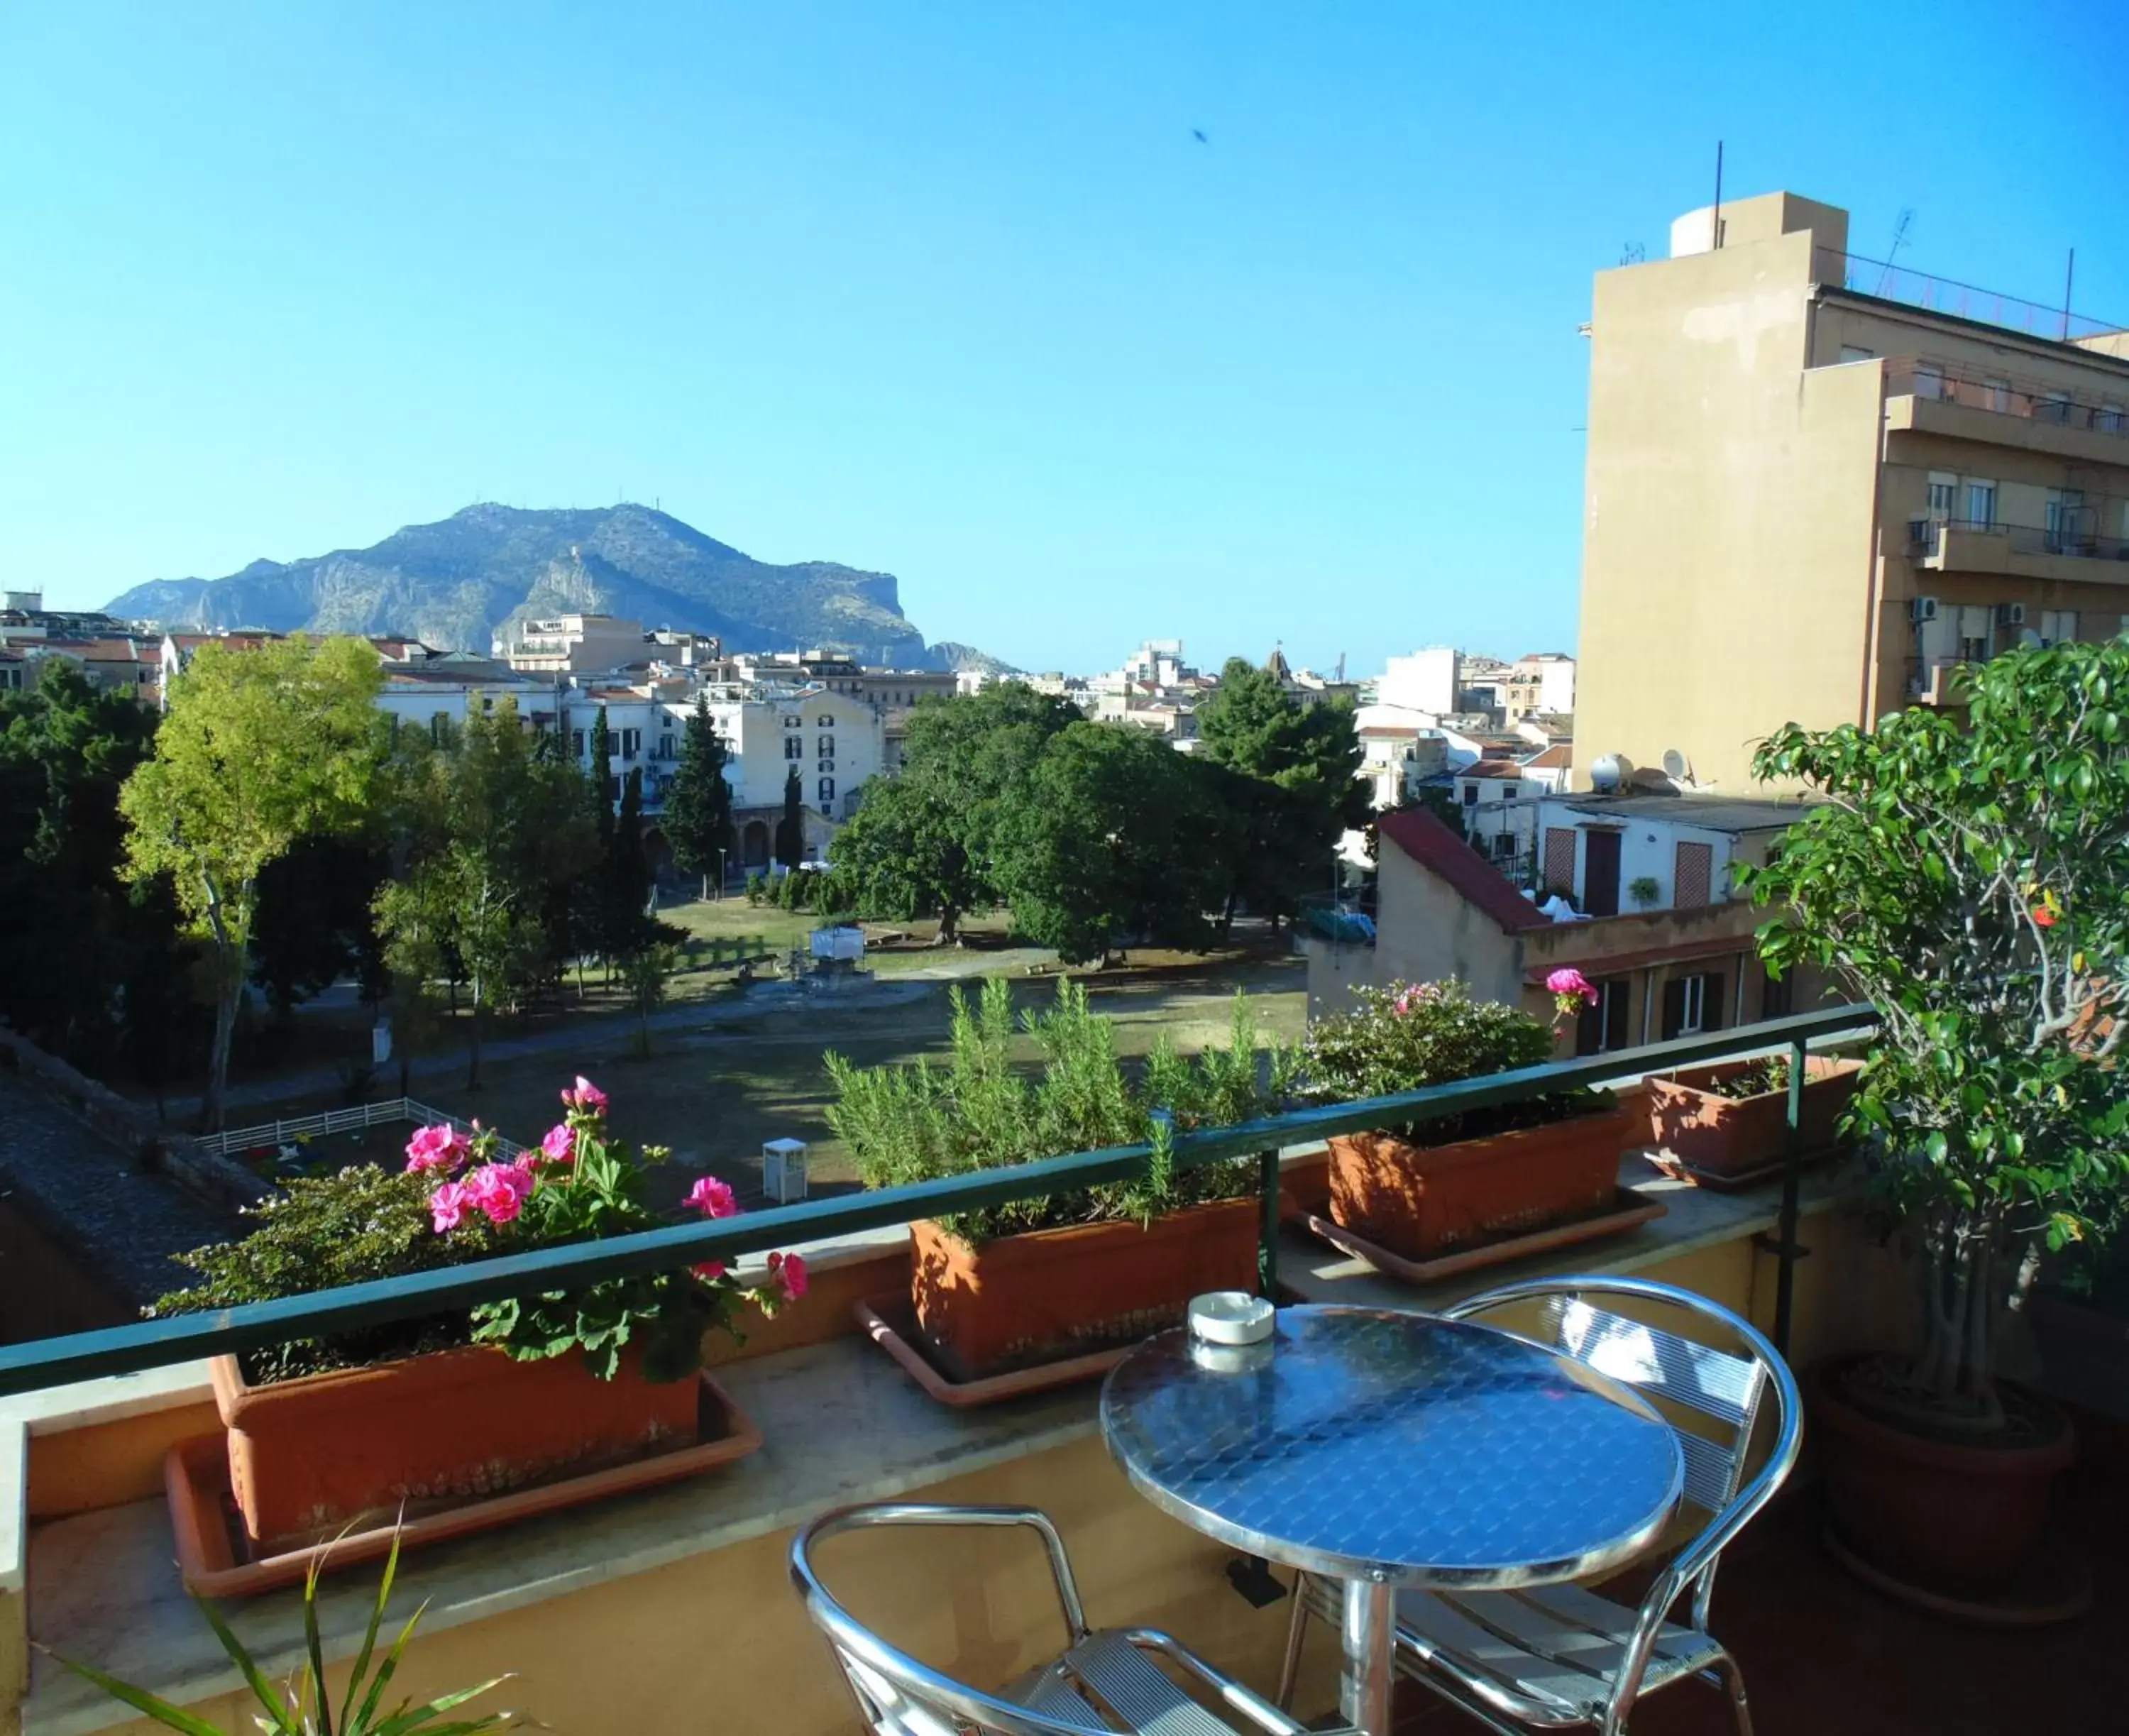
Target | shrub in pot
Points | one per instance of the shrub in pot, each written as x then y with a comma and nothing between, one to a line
323,1431
1026,1282
1968,878
1732,1118
1424,1188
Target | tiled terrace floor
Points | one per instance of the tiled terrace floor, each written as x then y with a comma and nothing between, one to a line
1824,1655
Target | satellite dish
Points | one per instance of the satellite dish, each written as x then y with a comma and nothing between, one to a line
1607,771
1674,765
2028,639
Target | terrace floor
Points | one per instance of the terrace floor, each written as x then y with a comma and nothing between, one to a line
1824,1655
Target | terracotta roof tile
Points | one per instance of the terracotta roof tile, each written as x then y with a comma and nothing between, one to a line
1438,850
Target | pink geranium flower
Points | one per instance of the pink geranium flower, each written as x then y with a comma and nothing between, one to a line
1570,981
559,1145
713,1197
789,1271
439,1147
709,1270
586,1096
447,1205
500,1189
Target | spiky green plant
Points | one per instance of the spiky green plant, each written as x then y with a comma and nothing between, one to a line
302,1705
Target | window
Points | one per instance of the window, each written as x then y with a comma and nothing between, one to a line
1943,495
1470,795
824,765
794,722
2058,626
1929,380
665,720
440,728
1778,997
1691,1004
487,703
2065,518
828,792
824,722
1856,353
1998,394
576,744
2110,419
825,746
1601,1026
667,749
1977,635
1980,504
2053,407
793,748
1693,873
632,743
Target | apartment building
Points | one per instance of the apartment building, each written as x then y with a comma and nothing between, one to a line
1817,483
575,644
1539,684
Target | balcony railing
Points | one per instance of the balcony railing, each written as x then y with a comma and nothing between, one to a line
56,1361
1927,538
1976,389
1962,301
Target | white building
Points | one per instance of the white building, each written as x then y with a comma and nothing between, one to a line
1627,853
1427,680
439,693
575,645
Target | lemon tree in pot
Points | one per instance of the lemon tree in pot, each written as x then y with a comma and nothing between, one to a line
1970,879
1026,1282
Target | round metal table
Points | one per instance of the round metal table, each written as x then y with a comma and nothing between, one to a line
1387,1448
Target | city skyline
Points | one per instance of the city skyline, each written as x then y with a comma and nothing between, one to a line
962,300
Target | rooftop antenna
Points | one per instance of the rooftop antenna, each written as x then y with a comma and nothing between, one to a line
1715,228
1893,252
2070,277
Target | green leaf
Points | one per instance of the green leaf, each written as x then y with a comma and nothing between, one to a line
170,1717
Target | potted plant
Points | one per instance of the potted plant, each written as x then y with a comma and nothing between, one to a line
1731,1119
465,1405
1968,878
302,1705
1423,1188
1015,1285
1643,891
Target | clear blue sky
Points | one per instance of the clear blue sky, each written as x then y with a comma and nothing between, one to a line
950,291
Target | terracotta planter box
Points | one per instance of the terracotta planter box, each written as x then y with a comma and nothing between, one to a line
1728,1135
308,1455
1018,1300
1417,1201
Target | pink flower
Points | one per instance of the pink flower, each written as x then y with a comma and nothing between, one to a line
713,1197
789,1271
439,1147
447,1205
1570,981
499,1189
709,1270
559,1145
585,1096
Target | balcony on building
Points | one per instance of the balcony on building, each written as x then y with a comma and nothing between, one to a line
2072,551
2087,419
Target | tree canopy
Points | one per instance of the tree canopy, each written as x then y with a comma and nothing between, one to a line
699,800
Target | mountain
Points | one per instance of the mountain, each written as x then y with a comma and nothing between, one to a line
459,584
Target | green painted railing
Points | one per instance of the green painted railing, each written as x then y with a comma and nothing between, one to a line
153,1344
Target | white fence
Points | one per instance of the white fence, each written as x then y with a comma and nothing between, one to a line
277,1134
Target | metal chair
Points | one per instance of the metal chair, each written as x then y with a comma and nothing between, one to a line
1105,1682
1560,1656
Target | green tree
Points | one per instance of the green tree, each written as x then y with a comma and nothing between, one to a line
1968,878
604,790
315,922
924,842
494,826
699,800
1106,845
791,826
625,889
259,747
1300,789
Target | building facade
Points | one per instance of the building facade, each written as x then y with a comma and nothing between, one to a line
1807,498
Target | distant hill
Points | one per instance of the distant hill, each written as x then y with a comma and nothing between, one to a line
459,584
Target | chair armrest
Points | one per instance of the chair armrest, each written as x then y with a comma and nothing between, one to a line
926,1513
1259,1711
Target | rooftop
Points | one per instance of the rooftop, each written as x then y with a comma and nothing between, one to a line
1714,813
1441,852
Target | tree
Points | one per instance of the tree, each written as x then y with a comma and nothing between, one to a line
648,972
314,921
1968,878
699,800
1107,845
259,748
494,826
791,828
603,788
924,842
1300,789
625,889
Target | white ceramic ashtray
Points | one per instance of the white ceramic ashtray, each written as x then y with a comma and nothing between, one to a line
1229,1316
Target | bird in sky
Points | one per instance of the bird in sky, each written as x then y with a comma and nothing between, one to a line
1199,137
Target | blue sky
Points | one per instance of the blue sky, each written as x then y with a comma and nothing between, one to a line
950,291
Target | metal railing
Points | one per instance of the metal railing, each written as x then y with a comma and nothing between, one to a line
55,1362
1926,540
1893,283
1976,389
273,1134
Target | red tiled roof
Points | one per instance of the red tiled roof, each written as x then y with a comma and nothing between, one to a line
1561,754
1389,729
1474,879
1493,769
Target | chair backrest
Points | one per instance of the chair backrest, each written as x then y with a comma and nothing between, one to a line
1725,1390
897,1695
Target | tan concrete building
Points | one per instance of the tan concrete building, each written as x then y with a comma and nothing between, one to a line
1808,496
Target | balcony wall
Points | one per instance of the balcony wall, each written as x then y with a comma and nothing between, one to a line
673,1610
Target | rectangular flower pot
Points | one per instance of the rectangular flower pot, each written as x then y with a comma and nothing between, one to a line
309,1456
1017,1301
1731,1136
1419,1201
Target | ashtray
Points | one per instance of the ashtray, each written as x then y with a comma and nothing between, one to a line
1229,1316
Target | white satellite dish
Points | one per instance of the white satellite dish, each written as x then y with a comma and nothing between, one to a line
1673,763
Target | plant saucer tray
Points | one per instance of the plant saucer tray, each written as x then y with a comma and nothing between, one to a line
890,1322
216,1561
1732,1181
1629,1211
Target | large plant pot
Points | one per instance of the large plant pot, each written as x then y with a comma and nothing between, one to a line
1731,1136
308,1455
1957,1518
1417,1201
1017,1300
